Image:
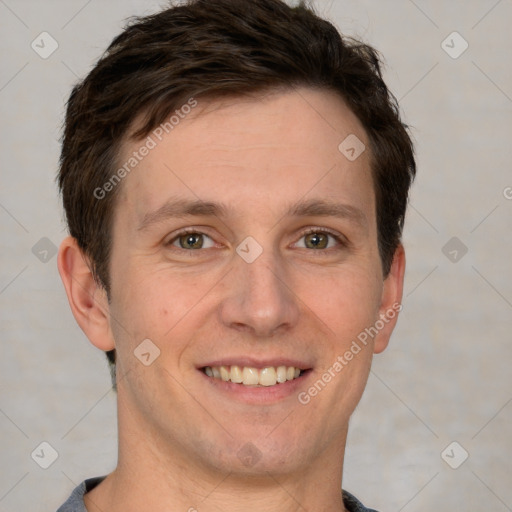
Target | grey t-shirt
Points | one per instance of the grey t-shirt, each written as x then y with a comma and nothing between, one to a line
75,503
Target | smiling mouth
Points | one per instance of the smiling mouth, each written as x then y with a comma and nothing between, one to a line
250,376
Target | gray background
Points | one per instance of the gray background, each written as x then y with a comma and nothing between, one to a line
446,374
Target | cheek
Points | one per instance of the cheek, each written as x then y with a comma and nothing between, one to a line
152,305
347,301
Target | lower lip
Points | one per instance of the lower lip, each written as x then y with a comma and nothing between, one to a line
259,395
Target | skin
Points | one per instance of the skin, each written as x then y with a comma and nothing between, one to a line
179,435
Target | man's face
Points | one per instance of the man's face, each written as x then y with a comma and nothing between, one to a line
206,298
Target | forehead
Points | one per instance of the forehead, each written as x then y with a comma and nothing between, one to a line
267,150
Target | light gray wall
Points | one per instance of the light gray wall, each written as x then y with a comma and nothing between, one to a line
446,375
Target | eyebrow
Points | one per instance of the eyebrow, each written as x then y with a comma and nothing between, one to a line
180,208
323,208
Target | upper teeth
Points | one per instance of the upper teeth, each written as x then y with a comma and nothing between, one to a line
250,376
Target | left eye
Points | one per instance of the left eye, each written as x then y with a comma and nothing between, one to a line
192,240
318,240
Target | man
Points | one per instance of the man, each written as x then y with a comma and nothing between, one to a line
235,178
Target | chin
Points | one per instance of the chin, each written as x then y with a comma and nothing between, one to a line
260,455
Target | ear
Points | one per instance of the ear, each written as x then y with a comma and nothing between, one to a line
391,302
87,299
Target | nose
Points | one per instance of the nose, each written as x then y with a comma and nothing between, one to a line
259,298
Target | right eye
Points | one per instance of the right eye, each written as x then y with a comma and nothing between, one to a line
191,240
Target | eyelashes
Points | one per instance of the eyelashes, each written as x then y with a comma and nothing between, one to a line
192,240
326,233
189,235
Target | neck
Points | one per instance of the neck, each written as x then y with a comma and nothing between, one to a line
154,474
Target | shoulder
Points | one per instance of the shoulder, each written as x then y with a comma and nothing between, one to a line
75,503
352,504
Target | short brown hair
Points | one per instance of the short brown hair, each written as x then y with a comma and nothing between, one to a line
218,48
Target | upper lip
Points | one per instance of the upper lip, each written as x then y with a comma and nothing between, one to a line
253,362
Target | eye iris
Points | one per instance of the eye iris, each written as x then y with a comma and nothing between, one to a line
318,240
191,241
